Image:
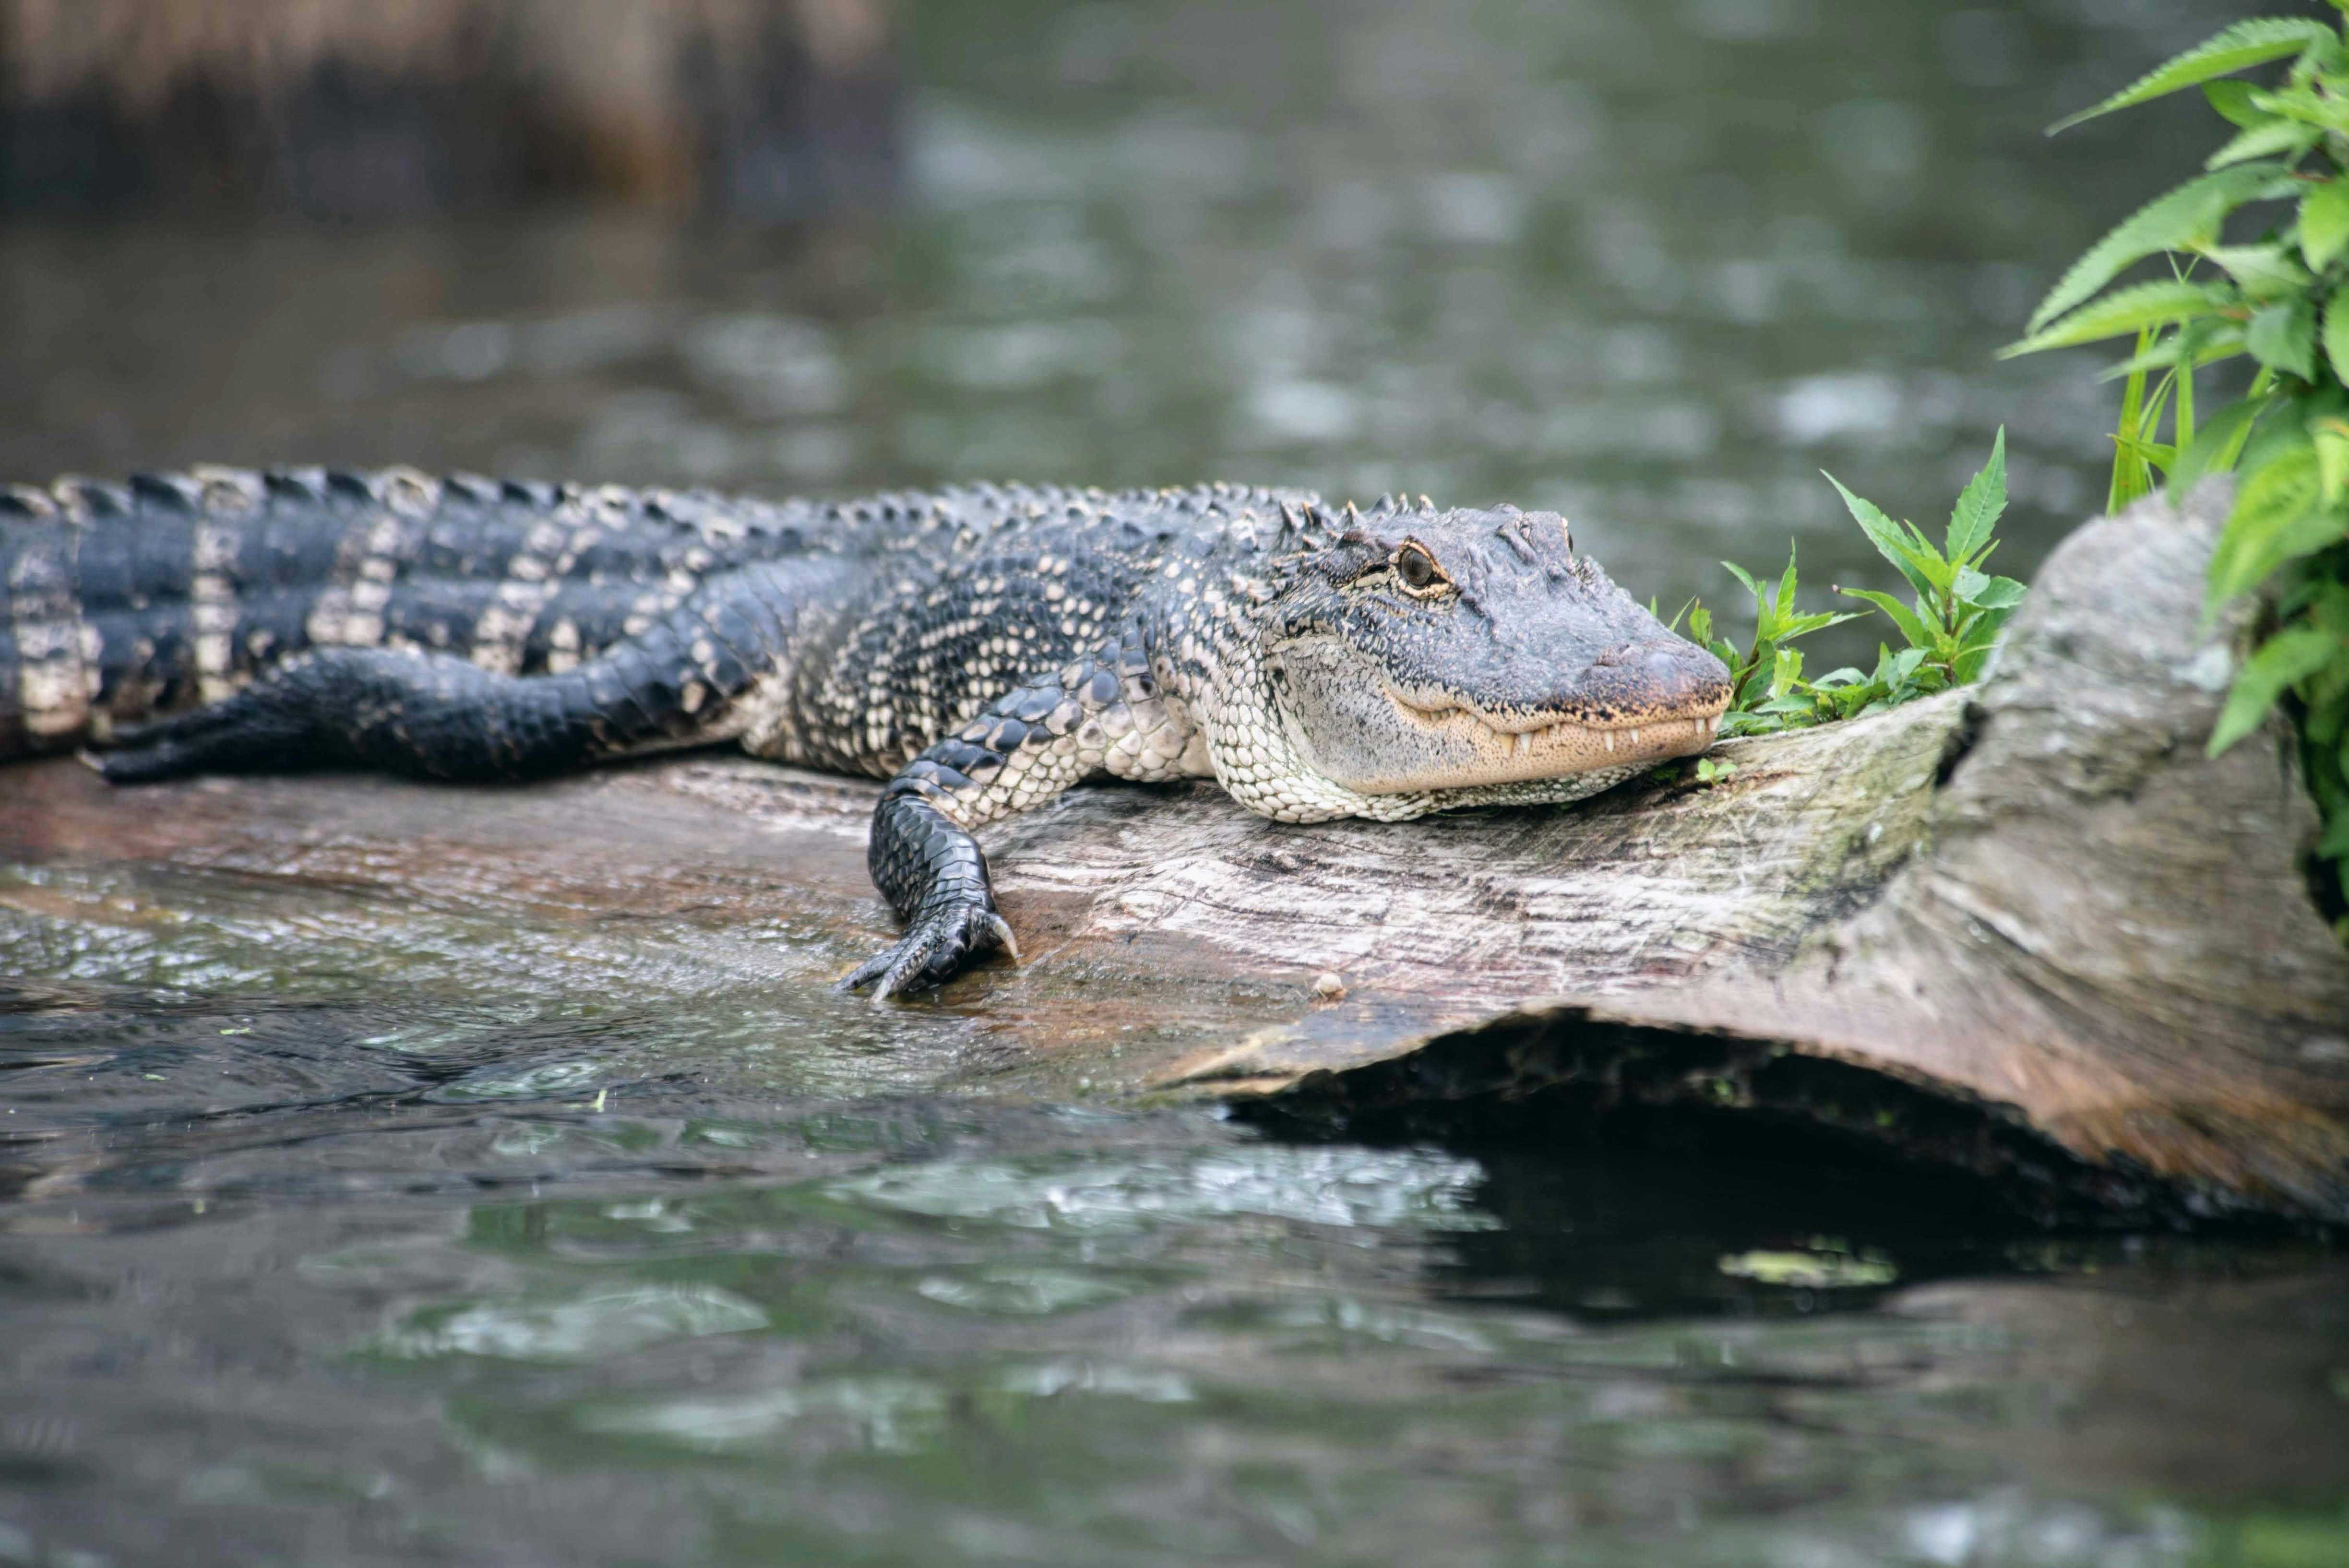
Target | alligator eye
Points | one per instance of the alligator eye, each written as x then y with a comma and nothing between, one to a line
1418,570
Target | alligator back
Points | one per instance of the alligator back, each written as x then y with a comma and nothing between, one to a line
119,603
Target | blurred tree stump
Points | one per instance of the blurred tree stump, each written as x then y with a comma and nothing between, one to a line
763,109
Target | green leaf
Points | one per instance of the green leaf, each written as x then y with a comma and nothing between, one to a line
1980,504
2216,445
2208,342
2331,438
2180,219
1804,626
2324,222
2282,660
2239,48
2283,336
1745,577
2336,334
2274,136
2129,310
2323,112
2263,271
1885,535
1912,626
2279,515
1786,669
2234,102
2003,593
1974,650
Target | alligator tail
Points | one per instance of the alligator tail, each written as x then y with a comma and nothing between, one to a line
123,602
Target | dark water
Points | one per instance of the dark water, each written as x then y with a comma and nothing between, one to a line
336,1232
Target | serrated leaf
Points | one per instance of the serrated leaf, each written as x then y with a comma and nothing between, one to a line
2178,220
2324,222
2279,514
2130,310
1786,669
1980,504
2274,137
1976,651
1885,535
1743,576
2234,102
2281,662
2323,112
1912,626
2004,594
2239,48
2283,336
2261,271
2215,341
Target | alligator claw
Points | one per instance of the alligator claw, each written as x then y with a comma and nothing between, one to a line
168,748
934,948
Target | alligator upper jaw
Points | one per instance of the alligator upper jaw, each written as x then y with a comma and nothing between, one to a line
1516,746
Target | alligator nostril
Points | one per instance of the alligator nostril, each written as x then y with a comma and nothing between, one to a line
1673,676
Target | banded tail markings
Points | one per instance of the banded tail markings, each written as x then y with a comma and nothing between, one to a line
385,530
55,681
549,552
228,503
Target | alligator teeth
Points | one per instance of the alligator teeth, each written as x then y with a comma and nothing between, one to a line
1526,740
1611,738
1635,737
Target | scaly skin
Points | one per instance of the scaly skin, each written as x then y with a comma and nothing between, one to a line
982,648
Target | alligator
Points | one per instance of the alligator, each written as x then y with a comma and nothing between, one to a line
982,648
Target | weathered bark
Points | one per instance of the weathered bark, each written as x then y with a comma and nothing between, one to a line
763,109
2024,928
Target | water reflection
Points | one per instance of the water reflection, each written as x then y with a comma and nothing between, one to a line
925,1332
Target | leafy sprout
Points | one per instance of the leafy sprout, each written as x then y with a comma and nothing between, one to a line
1948,627
2276,293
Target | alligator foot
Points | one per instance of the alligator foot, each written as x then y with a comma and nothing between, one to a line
938,943
247,731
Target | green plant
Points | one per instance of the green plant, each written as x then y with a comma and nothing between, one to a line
1949,627
2280,298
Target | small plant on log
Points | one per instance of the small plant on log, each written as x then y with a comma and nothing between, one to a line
1948,628
2278,293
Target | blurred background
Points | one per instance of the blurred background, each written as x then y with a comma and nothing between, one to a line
1652,263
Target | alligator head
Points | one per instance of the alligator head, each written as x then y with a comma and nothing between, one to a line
1422,652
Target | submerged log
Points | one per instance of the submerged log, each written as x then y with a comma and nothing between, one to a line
2028,929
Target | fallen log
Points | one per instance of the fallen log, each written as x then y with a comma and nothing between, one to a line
2027,929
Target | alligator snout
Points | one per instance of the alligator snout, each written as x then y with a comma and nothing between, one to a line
1674,678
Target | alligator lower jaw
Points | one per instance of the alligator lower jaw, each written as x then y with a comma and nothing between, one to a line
1510,755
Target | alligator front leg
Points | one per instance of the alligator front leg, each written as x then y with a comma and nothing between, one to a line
1098,715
